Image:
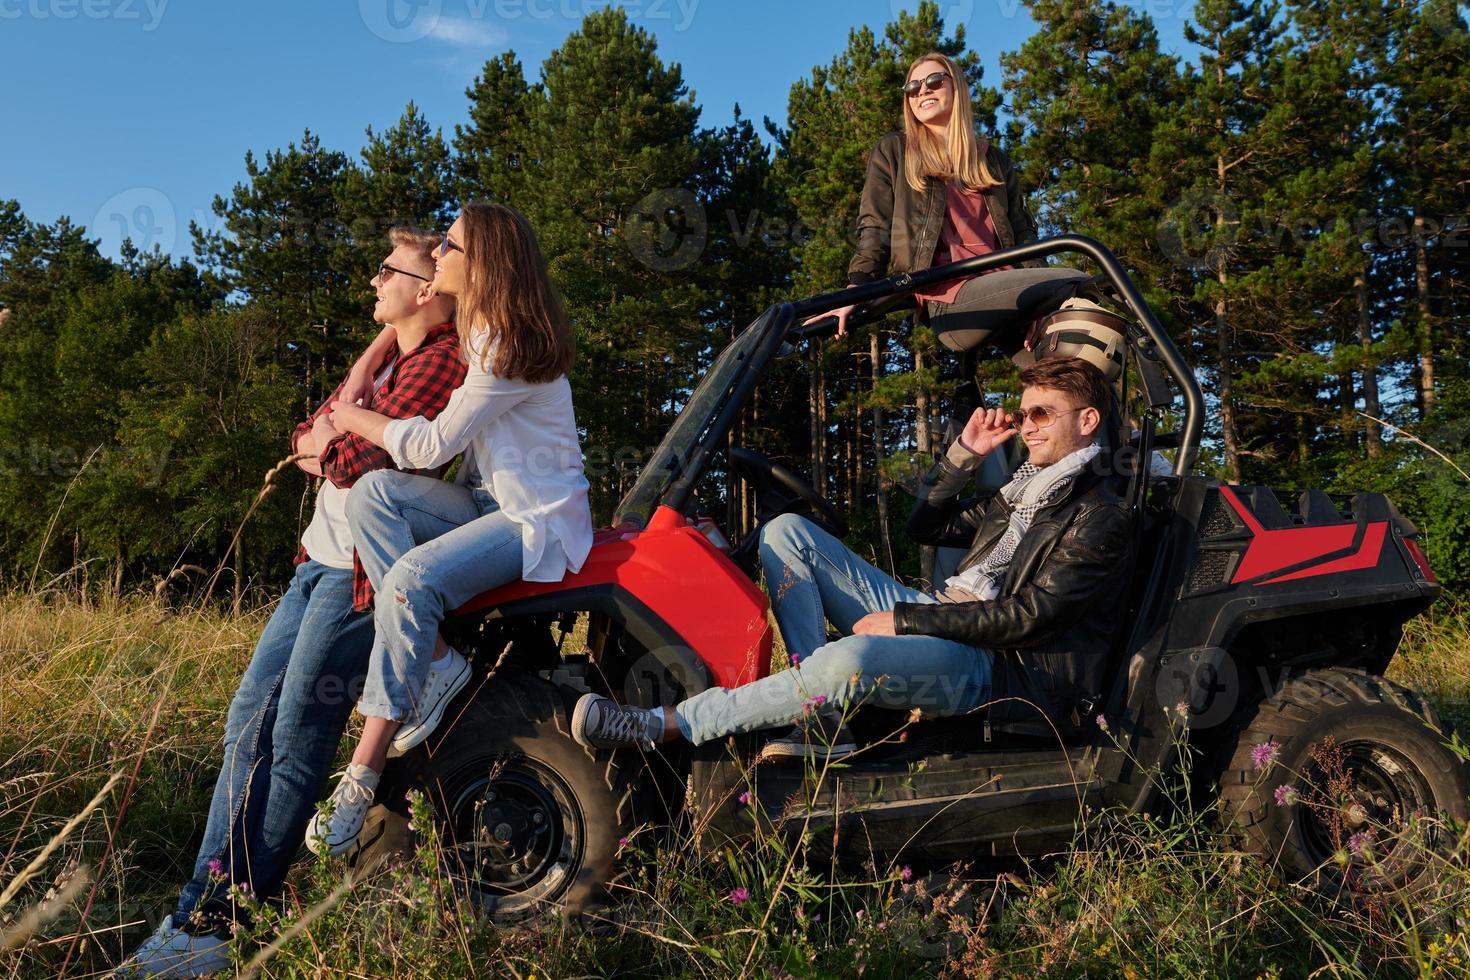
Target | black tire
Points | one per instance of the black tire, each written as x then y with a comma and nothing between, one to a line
1361,755
529,820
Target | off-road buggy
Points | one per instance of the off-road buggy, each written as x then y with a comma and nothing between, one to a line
1260,626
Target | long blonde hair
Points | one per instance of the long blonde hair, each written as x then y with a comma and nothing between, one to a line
508,291
957,156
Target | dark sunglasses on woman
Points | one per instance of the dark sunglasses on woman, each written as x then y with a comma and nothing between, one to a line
446,245
929,83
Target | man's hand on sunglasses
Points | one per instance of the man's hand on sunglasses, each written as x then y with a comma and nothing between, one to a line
987,429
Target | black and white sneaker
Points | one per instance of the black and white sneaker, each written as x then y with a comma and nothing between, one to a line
601,723
439,689
824,740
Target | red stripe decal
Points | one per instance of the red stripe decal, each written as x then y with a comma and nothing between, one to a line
1273,550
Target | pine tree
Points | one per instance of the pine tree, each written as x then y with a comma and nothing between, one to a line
406,178
1087,91
489,157
282,248
1426,70
1225,143
611,161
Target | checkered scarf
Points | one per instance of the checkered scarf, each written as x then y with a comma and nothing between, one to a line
1030,489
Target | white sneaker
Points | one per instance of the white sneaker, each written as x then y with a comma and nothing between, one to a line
439,689
347,808
174,951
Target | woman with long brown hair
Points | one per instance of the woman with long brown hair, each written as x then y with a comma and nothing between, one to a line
517,510
936,193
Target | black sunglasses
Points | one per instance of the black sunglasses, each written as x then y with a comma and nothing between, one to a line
446,245
929,83
386,272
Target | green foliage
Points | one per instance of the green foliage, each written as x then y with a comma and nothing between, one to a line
1286,198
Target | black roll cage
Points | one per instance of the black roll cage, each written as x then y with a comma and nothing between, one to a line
776,323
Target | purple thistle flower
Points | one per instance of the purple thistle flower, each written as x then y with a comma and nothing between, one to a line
795,659
906,873
1264,754
740,895
744,798
622,842
1285,796
1360,844
903,736
858,914
216,867
1102,722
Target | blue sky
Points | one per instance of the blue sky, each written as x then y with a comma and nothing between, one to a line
132,114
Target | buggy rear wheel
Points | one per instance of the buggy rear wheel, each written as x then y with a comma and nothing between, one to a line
528,819
1344,780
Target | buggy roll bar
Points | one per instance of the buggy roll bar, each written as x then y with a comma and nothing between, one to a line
870,295
776,329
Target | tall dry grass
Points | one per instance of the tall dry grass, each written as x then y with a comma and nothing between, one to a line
112,714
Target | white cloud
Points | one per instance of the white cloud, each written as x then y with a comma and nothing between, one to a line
467,33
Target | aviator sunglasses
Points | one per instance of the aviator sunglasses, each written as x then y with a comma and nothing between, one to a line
1041,416
929,83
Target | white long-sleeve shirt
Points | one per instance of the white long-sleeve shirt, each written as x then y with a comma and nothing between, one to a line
520,444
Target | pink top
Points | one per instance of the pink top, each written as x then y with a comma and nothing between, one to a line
968,231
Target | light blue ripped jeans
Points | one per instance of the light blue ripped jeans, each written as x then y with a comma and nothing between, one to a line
813,577
428,547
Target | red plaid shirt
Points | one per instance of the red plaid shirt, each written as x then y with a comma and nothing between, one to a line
418,383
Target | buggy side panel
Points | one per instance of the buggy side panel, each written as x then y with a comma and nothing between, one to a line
675,587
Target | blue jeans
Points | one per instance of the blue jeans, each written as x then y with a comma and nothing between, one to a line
281,735
428,547
813,577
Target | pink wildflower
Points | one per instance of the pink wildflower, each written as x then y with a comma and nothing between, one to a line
1102,722
744,798
795,659
1285,796
903,736
216,867
1264,754
906,873
740,895
1360,844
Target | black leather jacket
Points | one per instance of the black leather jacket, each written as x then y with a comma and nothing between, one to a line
898,227
1054,623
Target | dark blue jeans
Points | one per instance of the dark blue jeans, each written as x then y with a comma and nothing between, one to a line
280,738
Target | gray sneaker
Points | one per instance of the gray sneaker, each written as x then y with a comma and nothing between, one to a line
179,951
601,723
823,740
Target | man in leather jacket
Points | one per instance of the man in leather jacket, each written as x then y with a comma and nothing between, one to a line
1029,616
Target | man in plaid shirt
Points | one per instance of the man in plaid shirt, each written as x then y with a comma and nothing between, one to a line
294,700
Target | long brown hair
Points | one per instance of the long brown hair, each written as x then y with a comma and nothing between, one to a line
508,292
957,155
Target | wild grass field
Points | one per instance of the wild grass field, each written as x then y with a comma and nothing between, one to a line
110,717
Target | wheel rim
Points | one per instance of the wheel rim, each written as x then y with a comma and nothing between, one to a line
513,836
1365,799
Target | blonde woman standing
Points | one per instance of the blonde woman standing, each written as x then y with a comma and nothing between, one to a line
936,193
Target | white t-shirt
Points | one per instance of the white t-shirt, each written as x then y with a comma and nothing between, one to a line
328,538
